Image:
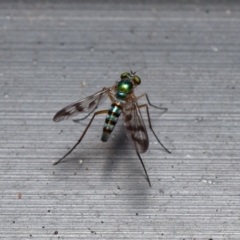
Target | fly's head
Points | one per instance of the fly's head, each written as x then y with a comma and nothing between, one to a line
127,83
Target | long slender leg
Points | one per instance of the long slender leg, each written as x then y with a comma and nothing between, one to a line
80,139
145,95
144,168
150,126
80,119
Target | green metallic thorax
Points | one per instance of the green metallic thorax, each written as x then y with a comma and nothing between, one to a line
124,87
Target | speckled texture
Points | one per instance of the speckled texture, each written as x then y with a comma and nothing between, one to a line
56,52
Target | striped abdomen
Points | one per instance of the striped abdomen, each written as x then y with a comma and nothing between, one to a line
111,120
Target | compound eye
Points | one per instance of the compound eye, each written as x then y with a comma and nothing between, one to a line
136,80
124,75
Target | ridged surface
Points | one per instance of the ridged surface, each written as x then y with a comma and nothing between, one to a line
54,53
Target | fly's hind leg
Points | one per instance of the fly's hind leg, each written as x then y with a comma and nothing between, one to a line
83,134
150,126
144,168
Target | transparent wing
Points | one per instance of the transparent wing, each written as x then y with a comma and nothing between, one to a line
135,127
85,105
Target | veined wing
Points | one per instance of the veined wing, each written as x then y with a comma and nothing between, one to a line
85,105
135,127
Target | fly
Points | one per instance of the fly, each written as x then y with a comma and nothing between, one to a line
124,102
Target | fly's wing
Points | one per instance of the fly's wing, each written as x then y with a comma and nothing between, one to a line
85,105
135,127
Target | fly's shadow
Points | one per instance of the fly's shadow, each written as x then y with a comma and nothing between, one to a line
122,157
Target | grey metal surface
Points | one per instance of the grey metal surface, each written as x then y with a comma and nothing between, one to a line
54,53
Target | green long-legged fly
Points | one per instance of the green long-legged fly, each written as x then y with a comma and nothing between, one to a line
124,101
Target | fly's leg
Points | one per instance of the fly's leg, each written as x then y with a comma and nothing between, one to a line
147,177
145,95
150,126
80,119
83,134
144,168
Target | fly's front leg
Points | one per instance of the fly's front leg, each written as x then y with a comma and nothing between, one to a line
83,134
150,126
80,119
145,95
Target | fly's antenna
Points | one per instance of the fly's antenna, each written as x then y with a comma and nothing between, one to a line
129,67
139,69
133,73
